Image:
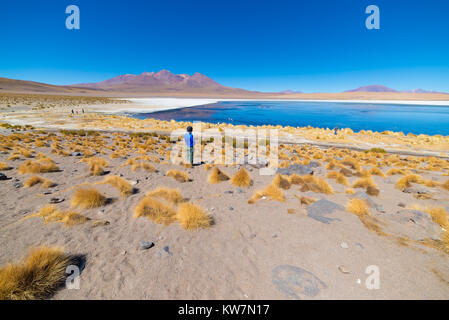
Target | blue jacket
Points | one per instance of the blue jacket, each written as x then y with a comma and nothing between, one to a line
188,138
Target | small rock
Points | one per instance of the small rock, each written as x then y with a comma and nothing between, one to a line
101,211
56,200
133,183
121,174
274,235
252,235
344,245
343,269
401,204
144,245
48,192
229,192
239,190
417,189
3,176
164,252
231,208
123,252
17,185
212,209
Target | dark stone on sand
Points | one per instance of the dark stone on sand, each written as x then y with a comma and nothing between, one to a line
297,169
164,252
3,177
296,282
416,189
321,208
144,245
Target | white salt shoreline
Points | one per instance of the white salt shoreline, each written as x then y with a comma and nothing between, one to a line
149,105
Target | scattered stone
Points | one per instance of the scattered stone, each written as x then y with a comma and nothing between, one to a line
121,174
297,169
344,269
296,282
56,200
144,245
17,185
123,252
133,183
239,190
47,192
231,208
274,235
417,189
212,209
164,252
401,204
252,235
344,245
76,154
101,211
229,192
319,209
413,224
3,176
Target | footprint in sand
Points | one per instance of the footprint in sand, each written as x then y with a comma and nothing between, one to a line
295,281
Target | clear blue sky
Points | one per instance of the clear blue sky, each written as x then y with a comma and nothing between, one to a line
311,46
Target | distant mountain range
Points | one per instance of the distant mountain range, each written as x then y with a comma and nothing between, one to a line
166,83
380,88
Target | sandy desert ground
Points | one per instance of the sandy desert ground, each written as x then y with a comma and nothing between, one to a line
222,232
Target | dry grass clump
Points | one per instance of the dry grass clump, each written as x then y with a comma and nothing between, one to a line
171,195
36,180
50,213
39,166
192,217
156,210
349,191
394,171
445,185
4,166
352,163
406,181
339,177
281,181
360,209
271,192
376,172
88,198
364,183
242,178
38,276
217,176
143,165
357,207
295,179
445,240
372,191
121,184
305,200
316,184
178,175
208,166
346,172
439,215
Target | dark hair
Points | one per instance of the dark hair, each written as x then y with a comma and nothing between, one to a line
189,129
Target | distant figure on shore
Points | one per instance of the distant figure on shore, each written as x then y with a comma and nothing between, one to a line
83,110
73,112
335,130
188,138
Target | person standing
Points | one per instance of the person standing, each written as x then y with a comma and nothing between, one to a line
190,143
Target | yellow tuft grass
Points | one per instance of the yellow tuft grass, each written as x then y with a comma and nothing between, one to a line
376,172
171,195
295,179
50,213
4,166
406,181
372,191
121,184
305,200
88,198
394,171
192,217
242,178
439,215
364,183
217,176
357,207
155,210
178,175
445,185
281,181
316,184
272,192
349,191
39,166
36,180
339,177
38,276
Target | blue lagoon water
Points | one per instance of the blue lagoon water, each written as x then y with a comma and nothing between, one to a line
357,116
